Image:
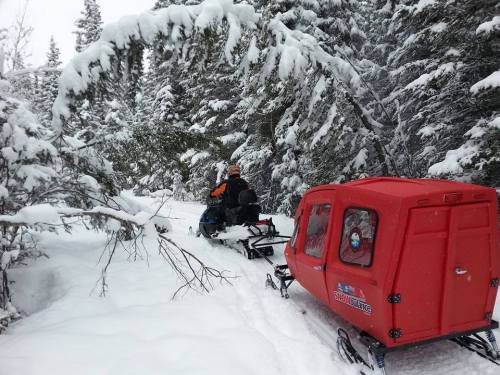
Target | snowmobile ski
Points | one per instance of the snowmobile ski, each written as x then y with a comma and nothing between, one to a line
256,239
476,344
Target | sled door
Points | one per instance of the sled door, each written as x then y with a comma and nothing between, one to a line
311,256
467,299
445,271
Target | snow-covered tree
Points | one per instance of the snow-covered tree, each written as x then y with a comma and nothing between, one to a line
434,70
89,25
304,93
47,89
308,92
188,43
28,164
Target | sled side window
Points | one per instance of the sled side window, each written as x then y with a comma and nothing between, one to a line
295,235
358,236
317,227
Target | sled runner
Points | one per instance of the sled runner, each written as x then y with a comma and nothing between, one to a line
406,262
240,227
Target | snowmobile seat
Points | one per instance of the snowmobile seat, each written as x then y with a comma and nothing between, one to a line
249,206
247,212
248,197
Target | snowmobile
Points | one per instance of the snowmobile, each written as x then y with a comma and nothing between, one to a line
407,262
241,228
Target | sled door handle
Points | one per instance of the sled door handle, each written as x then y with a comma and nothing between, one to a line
318,268
460,271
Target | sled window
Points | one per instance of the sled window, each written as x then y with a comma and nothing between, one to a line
295,235
358,236
317,227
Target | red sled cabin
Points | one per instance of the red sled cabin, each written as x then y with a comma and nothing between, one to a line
406,261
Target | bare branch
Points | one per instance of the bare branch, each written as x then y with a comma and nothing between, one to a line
195,274
22,34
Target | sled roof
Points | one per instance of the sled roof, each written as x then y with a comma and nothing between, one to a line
400,188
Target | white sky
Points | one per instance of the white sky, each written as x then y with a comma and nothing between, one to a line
57,17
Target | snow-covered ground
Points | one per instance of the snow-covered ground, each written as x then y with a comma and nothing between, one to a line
137,328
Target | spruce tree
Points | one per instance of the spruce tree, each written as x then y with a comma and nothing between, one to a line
47,89
439,58
165,3
89,25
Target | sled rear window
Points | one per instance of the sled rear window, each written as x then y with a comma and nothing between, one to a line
358,236
317,227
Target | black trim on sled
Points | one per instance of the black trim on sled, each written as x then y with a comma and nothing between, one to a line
378,348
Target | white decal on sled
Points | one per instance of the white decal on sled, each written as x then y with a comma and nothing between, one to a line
353,297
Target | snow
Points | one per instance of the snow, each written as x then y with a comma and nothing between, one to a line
33,174
454,160
495,123
291,135
483,127
318,91
7,257
219,105
42,213
233,36
162,193
360,159
4,86
426,131
8,153
253,51
295,51
198,157
410,40
138,329
291,60
425,78
210,121
4,193
422,4
439,27
490,26
232,138
453,52
241,328
490,82
325,128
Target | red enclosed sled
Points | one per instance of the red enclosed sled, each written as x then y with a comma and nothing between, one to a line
407,262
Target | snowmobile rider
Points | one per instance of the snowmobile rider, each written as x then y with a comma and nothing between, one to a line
230,189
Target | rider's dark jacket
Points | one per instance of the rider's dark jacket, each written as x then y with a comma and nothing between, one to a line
229,190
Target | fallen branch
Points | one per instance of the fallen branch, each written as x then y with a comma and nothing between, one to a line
196,275
128,235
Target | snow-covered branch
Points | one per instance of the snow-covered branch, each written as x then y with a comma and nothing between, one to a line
47,214
34,71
